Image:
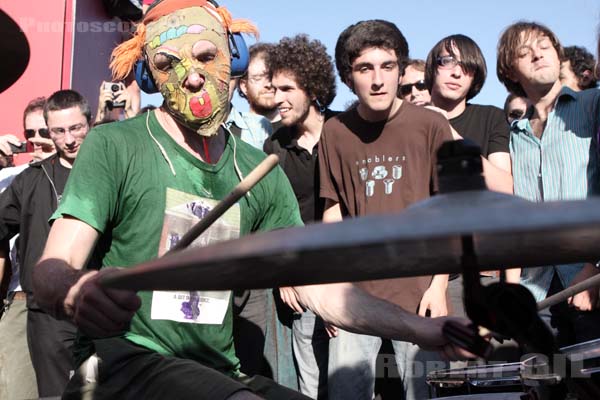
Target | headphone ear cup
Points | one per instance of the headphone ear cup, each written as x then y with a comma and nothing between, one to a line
239,55
143,77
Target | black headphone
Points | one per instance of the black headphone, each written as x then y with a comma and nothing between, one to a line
238,50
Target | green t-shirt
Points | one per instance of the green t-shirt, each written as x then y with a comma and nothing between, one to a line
122,186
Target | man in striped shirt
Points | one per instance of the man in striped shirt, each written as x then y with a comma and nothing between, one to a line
554,157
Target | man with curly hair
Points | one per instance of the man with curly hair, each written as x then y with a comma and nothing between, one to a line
380,157
577,69
304,83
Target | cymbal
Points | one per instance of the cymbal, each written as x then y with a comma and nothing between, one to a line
425,239
14,49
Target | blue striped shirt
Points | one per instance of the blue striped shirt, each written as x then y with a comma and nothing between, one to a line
561,165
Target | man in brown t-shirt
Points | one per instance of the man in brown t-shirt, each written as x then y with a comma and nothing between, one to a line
379,157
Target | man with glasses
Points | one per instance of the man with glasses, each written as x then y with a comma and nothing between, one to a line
17,378
412,84
26,206
256,87
455,72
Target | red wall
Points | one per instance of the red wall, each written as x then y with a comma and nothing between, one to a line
70,43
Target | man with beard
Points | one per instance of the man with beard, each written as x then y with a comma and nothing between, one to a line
256,86
304,83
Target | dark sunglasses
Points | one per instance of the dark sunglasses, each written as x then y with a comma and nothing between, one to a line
406,89
44,132
516,114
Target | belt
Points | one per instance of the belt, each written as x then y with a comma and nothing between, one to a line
19,295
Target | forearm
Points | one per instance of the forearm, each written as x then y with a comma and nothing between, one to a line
586,272
52,280
333,212
513,275
440,282
348,307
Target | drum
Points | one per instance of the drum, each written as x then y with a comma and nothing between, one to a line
491,379
487,396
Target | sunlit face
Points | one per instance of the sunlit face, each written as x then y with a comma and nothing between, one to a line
68,128
257,87
42,147
374,78
537,62
188,56
292,102
451,83
412,87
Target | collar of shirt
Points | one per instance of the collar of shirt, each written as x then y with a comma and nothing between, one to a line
235,117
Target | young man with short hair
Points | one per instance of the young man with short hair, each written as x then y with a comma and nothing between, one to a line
27,205
554,152
379,157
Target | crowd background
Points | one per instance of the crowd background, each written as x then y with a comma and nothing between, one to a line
423,23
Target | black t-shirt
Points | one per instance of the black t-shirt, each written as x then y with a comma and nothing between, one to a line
484,125
59,175
276,125
302,169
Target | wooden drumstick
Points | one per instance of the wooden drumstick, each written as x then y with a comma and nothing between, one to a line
568,292
240,190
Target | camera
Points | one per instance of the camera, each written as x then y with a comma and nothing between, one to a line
115,88
22,148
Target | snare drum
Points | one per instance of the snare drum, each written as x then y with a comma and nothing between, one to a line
478,379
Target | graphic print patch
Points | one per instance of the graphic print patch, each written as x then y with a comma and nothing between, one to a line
380,172
183,211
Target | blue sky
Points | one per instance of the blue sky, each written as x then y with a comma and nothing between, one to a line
423,23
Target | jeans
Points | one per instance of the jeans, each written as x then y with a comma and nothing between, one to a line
311,348
17,378
353,367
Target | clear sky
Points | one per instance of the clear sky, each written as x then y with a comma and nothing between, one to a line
423,23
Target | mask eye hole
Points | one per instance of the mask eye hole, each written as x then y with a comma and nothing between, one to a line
204,51
164,62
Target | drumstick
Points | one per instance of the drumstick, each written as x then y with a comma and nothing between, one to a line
240,190
568,292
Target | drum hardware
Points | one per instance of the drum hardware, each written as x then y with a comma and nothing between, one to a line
508,309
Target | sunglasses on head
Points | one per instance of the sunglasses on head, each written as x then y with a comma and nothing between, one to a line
44,132
406,89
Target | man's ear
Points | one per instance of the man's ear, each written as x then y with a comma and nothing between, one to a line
348,81
242,85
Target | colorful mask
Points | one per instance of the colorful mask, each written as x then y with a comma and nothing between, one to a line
186,48
188,55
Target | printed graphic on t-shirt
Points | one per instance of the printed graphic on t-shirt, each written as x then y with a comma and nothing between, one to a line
183,211
379,173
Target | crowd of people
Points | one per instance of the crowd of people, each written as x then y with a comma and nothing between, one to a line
121,187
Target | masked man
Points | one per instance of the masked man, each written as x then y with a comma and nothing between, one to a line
137,187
